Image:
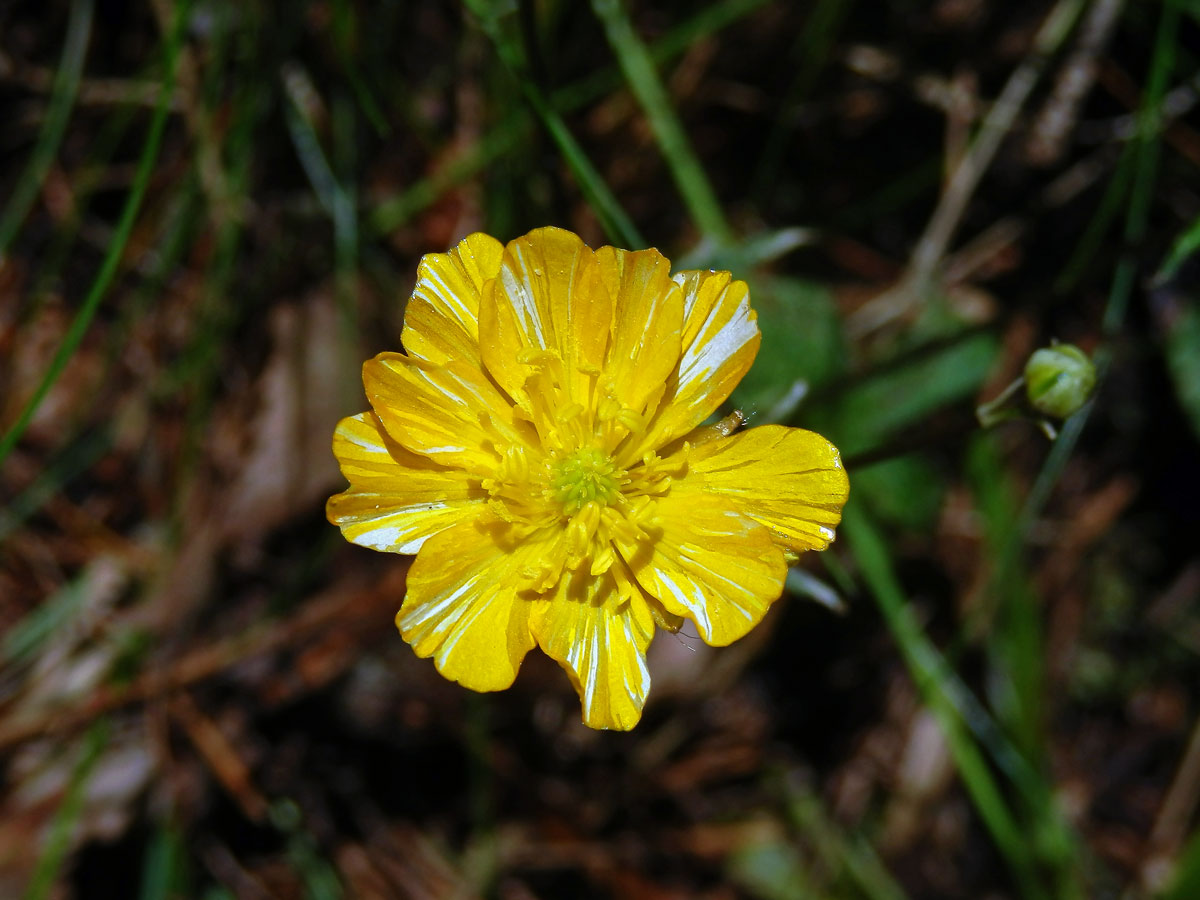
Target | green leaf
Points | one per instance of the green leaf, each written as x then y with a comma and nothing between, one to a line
905,491
865,413
801,343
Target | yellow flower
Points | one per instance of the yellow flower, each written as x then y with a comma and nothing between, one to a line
538,447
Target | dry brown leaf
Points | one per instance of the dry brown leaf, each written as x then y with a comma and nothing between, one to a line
309,383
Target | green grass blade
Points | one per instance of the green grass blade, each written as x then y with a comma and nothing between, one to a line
848,853
120,238
928,671
85,184
1150,117
308,146
1185,245
612,216
422,194
45,873
78,457
503,137
58,113
1012,617
808,57
336,195
1181,346
345,30
678,40
318,875
1145,167
635,61
196,370
30,634
1110,206
616,221
164,869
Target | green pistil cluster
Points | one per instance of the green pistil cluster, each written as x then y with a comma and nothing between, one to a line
587,475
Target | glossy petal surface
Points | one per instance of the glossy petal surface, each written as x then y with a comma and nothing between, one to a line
539,447
441,321
462,607
709,564
451,413
787,479
720,340
397,499
647,323
600,638
546,303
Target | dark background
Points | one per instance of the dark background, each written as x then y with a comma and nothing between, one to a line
202,692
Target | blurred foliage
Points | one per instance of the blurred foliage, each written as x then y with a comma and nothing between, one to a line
212,211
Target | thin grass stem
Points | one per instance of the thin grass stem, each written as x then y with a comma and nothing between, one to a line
1145,169
112,259
504,136
929,672
640,73
55,849
613,218
54,126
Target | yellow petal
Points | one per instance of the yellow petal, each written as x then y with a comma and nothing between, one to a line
462,607
441,321
451,413
601,640
647,322
396,499
720,340
711,564
547,297
787,479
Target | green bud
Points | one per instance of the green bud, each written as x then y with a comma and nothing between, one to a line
1059,379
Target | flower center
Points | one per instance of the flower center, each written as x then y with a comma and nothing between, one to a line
588,475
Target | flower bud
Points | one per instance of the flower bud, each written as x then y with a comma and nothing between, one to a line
1059,379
